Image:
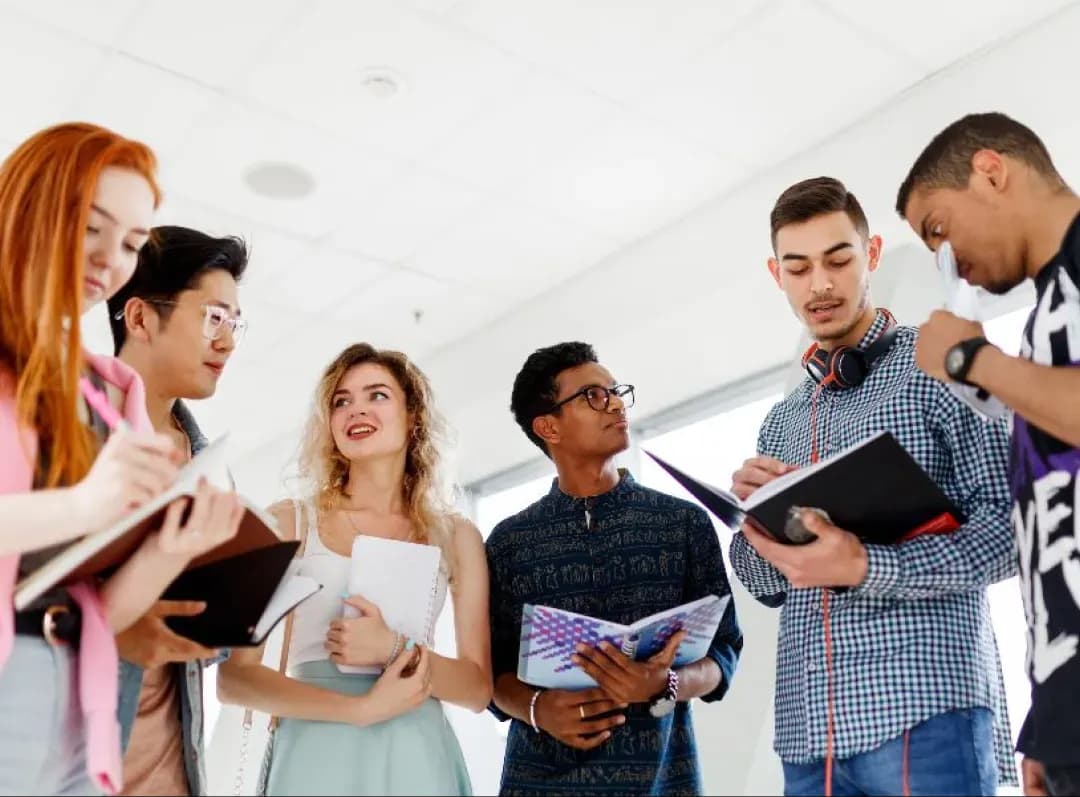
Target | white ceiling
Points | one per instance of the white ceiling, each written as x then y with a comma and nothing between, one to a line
534,141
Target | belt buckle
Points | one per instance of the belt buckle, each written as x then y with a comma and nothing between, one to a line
48,624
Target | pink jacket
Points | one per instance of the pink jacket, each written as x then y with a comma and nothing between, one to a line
97,651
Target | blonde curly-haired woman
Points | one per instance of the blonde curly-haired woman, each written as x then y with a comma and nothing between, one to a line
370,454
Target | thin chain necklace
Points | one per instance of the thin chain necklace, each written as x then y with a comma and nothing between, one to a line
349,512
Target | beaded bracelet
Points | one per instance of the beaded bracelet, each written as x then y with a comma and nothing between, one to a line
395,650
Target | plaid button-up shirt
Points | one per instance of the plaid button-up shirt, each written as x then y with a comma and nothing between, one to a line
915,639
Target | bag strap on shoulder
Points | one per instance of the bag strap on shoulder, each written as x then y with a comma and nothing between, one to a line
302,530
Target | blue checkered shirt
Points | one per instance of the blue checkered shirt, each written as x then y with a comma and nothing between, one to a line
915,639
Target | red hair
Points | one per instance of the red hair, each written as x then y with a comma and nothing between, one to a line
46,189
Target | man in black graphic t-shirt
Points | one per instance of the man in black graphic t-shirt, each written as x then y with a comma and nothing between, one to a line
987,185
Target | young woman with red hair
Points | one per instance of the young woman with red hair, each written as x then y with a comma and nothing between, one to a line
76,204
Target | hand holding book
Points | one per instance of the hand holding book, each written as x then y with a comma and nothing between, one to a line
840,559
875,489
130,470
837,558
363,640
623,679
151,643
552,637
194,526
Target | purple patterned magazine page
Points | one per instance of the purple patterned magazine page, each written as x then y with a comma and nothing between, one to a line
549,636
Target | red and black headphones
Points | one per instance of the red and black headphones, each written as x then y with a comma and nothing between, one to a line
846,367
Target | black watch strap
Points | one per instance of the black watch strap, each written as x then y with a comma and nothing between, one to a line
961,365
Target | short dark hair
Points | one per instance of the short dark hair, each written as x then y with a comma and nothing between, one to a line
815,197
946,161
173,260
536,385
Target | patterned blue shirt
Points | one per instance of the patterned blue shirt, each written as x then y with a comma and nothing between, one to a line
644,552
915,639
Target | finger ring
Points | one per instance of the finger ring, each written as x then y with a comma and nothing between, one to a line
581,710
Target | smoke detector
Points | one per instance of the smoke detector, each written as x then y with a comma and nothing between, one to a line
279,180
382,83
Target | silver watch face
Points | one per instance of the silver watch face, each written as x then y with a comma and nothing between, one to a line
662,707
954,361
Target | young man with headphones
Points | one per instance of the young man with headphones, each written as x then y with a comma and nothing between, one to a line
888,679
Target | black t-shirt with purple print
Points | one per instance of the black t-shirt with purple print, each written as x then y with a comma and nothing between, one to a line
1045,478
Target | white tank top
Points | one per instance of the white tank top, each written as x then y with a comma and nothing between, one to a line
312,618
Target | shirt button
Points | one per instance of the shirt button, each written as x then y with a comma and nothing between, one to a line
811,667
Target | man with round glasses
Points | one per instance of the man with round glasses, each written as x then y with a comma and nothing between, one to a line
176,322
602,545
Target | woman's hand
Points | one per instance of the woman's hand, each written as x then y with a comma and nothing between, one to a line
402,687
129,471
363,641
214,519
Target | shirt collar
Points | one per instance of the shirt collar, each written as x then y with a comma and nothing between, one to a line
881,321
190,428
561,501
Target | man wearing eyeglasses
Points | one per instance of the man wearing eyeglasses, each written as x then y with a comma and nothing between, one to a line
602,545
176,322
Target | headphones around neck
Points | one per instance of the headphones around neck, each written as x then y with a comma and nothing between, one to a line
846,367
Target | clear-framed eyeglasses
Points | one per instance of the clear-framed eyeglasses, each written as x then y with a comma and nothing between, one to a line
215,320
599,397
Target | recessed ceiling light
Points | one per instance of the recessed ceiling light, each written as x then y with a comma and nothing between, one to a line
279,180
382,82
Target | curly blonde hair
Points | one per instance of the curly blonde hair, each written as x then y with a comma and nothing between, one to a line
326,470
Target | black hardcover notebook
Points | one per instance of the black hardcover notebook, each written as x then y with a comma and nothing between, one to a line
873,489
246,596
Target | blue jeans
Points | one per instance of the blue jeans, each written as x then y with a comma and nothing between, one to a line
952,753
42,736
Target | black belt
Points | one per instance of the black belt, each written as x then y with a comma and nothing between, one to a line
59,623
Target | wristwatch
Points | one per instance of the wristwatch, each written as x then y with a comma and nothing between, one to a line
959,359
664,703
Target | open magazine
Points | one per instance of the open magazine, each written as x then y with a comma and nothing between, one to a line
549,637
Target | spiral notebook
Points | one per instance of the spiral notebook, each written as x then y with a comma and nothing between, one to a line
402,579
549,637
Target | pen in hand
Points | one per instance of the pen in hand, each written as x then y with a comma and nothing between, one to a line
101,404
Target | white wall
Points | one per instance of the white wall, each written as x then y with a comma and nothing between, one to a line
692,307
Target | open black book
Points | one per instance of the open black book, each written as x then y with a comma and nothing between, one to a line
873,489
246,596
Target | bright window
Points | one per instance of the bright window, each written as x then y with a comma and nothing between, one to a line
493,508
710,450
1006,605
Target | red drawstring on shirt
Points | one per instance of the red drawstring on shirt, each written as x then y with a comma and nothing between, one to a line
830,708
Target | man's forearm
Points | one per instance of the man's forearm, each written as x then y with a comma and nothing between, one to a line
699,679
1043,395
513,697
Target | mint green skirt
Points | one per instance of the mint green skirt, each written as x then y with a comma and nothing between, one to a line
414,753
